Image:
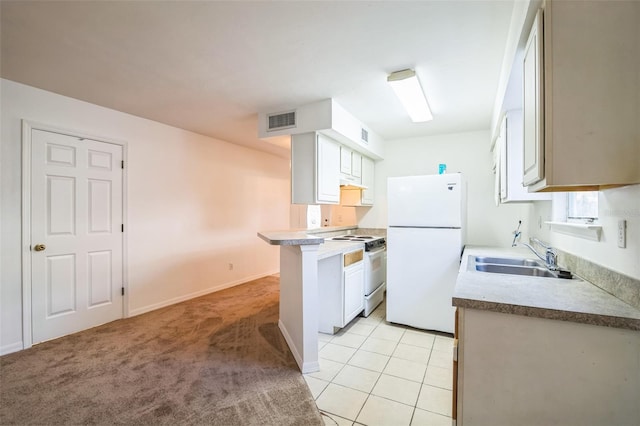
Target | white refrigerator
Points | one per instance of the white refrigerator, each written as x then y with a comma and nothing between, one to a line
425,238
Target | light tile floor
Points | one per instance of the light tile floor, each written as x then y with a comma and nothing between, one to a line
376,373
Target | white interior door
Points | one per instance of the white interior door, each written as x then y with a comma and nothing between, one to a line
76,235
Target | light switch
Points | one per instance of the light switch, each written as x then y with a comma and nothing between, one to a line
622,233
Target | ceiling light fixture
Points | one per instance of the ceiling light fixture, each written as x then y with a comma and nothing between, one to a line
407,87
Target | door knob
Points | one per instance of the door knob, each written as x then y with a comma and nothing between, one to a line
39,247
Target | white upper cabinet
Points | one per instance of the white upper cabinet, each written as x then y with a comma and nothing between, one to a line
368,168
328,181
581,97
501,167
315,169
361,197
327,117
533,155
356,165
350,165
509,143
345,160
329,147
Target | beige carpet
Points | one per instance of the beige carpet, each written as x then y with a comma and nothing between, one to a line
219,359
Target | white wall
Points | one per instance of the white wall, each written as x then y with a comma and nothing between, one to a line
462,152
613,205
195,204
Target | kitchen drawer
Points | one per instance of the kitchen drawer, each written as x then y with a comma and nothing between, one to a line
353,257
373,300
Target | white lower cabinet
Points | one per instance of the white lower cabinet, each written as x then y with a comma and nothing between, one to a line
340,290
518,370
353,291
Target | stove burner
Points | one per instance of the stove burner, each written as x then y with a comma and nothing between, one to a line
370,242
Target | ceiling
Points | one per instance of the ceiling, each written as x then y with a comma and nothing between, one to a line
210,67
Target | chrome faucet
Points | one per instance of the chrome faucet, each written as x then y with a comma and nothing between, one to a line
551,256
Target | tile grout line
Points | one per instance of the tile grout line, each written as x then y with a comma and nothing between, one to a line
360,349
342,368
381,372
423,379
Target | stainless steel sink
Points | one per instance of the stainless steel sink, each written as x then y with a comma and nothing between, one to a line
514,266
532,271
508,261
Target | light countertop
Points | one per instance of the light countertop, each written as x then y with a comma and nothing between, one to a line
318,236
290,238
553,298
332,248
300,237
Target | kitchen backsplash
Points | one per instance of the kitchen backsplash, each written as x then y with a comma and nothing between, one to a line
621,286
334,231
377,232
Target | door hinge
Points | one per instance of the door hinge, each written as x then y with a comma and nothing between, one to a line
122,227
122,291
122,164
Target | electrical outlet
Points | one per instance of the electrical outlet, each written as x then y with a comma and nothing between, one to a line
231,266
622,233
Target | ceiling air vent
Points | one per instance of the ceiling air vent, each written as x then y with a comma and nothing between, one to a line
283,120
365,136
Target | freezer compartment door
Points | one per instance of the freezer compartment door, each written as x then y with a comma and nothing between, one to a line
422,267
426,201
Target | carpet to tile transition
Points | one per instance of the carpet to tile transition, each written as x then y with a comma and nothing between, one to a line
219,359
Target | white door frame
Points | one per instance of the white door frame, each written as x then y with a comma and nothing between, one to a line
27,127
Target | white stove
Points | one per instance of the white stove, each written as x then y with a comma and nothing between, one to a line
370,242
375,268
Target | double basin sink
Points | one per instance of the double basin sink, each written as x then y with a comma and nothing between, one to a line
513,266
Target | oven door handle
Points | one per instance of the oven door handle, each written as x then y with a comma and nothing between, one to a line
376,252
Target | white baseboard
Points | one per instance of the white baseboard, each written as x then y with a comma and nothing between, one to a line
305,367
173,301
289,341
13,347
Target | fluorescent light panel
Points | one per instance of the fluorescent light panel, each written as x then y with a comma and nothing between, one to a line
407,87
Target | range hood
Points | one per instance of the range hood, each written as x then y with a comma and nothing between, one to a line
347,184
